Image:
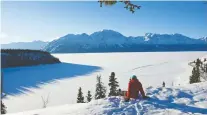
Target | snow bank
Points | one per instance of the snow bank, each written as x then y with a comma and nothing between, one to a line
185,100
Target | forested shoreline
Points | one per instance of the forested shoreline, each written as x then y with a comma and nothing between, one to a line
25,57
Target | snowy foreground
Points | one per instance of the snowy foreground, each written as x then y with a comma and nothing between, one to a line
181,100
61,81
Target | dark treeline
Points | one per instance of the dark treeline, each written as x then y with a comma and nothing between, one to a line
25,57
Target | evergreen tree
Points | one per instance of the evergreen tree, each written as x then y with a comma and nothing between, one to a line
192,77
198,75
3,108
89,96
113,84
80,98
195,77
100,89
198,62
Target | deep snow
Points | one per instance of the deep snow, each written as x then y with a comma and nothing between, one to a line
182,100
152,68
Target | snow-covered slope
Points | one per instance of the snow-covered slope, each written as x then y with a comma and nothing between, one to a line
62,81
112,41
35,45
181,100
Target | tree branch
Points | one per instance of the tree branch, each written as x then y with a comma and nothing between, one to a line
128,5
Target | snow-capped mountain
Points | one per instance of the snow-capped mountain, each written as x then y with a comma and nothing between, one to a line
35,45
204,39
170,39
112,41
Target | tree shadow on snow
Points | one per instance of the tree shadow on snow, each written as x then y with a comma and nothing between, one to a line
16,78
166,104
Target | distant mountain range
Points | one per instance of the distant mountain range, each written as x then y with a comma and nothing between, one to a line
112,41
35,45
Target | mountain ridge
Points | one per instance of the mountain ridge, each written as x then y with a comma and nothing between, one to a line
34,45
108,40
113,41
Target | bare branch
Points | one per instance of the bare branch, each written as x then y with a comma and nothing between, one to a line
45,101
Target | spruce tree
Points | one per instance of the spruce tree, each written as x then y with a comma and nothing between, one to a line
89,96
80,98
192,77
3,108
197,72
100,89
113,84
198,62
198,75
195,77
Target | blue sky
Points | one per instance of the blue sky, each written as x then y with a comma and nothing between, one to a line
28,21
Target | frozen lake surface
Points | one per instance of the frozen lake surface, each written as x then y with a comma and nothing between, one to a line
61,81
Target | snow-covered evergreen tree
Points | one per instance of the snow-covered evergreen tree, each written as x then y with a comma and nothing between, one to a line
89,96
80,98
100,89
113,84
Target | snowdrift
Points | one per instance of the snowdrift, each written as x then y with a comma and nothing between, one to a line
188,99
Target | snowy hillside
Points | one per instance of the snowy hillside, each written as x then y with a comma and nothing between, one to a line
62,80
180,100
112,41
34,45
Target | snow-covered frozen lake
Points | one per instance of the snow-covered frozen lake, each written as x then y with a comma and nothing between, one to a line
61,81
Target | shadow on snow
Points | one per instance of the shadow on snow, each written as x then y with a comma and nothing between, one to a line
16,78
165,104
140,107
